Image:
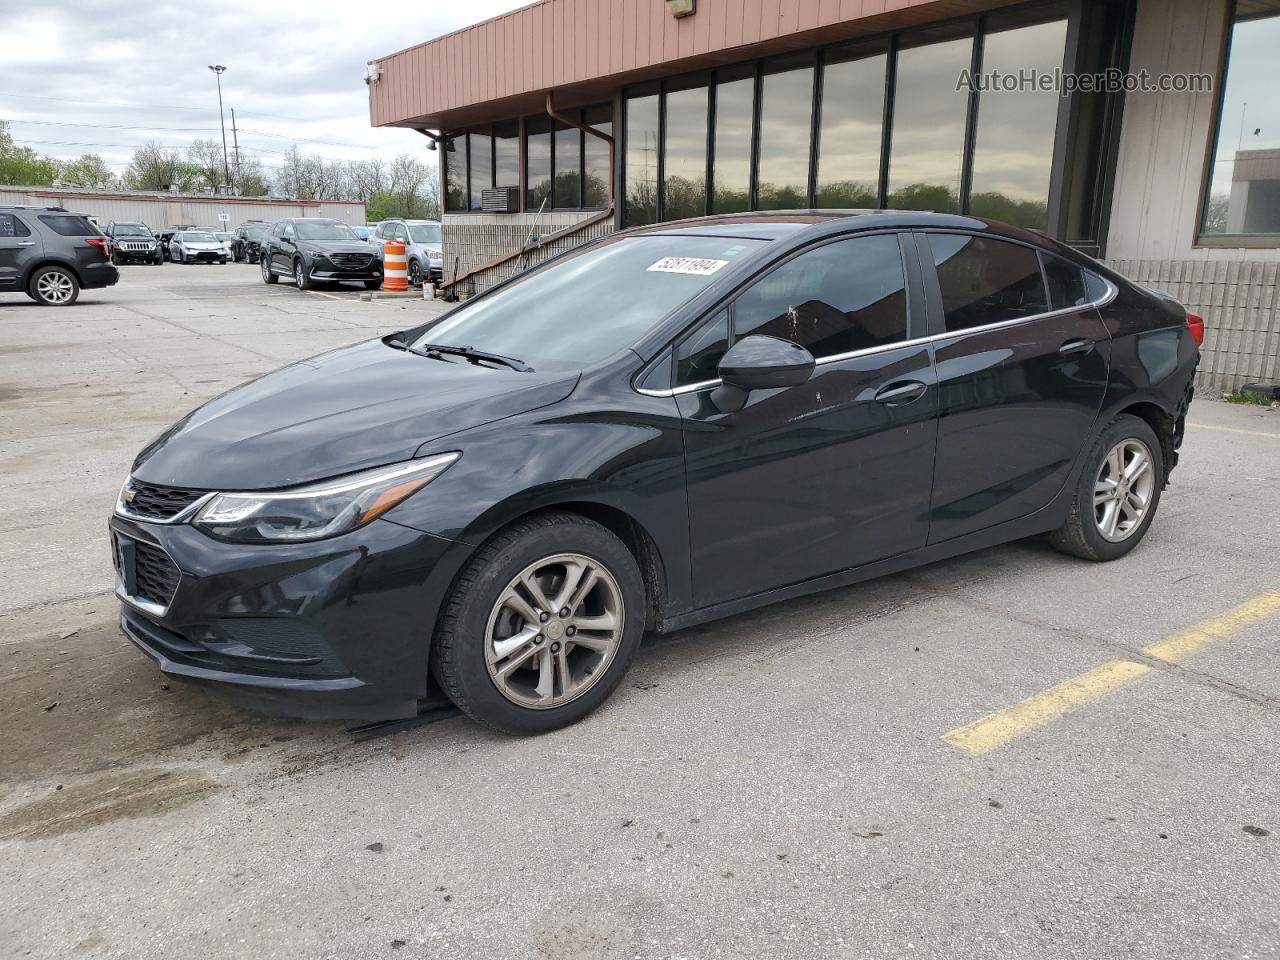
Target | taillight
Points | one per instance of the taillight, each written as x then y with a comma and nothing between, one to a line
102,243
1196,325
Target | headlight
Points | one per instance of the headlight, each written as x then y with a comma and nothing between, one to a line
317,510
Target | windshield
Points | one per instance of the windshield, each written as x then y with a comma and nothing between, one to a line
255,233
225,236
130,230
190,237
586,307
323,231
425,232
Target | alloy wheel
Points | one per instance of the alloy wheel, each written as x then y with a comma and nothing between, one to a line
554,631
415,274
297,274
266,270
1123,490
55,287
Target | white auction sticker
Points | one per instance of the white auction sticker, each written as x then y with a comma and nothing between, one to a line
697,266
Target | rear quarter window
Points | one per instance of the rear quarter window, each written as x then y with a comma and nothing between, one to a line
11,226
69,225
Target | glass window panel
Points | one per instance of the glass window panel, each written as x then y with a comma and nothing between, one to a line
698,355
568,147
731,166
1066,283
684,169
786,114
595,183
1013,153
1244,184
841,297
642,159
481,164
537,131
986,281
455,173
928,127
506,154
852,122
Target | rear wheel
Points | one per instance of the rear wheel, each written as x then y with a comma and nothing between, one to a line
541,626
54,287
1117,494
268,276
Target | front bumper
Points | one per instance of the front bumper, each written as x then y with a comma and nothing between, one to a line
325,270
206,256
337,628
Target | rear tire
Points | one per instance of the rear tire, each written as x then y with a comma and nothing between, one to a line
1117,494
478,635
54,287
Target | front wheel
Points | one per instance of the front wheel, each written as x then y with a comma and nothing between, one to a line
415,274
541,625
1117,494
301,277
268,275
373,284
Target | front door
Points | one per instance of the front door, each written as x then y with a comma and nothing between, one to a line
18,248
828,475
1021,380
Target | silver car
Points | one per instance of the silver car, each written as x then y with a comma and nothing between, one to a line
197,246
421,239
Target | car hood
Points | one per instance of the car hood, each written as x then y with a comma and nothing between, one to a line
334,246
351,409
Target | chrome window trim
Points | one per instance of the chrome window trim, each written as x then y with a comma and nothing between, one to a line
1112,292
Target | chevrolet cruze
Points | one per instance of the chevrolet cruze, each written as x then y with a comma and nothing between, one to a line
653,430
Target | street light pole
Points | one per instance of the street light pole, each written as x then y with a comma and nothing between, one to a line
218,70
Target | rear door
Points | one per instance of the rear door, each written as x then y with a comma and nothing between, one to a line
834,473
1021,378
19,247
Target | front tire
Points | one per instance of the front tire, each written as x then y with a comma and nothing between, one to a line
415,274
54,287
302,277
373,284
541,625
268,275
1117,494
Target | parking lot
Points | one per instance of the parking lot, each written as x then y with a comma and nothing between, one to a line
1011,754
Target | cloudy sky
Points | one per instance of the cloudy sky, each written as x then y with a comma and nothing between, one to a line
85,76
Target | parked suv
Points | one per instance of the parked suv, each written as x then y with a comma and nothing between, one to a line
246,245
313,251
421,239
52,254
133,242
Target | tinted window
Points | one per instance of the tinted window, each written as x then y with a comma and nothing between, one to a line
455,172
312,230
568,148
537,161
731,173
852,118
480,146
684,170
593,303
11,226
425,232
69,225
1097,287
698,355
986,281
641,161
786,106
595,179
1066,283
844,296
506,154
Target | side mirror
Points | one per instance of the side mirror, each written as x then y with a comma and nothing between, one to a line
760,363
765,363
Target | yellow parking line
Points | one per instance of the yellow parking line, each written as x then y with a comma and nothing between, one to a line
996,729
1247,433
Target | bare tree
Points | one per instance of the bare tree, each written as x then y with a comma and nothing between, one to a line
365,178
206,157
155,168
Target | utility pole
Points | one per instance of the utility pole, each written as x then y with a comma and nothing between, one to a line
218,71
235,146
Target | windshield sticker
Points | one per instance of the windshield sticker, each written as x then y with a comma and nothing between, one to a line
697,266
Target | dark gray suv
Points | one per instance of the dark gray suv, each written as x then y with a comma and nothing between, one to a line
51,254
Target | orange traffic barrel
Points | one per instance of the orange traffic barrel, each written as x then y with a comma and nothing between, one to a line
395,267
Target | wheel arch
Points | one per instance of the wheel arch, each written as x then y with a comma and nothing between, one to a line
1163,424
48,261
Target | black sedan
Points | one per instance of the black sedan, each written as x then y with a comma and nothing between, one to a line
656,429
312,251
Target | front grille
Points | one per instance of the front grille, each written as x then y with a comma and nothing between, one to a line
141,246
155,575
351,261
160,503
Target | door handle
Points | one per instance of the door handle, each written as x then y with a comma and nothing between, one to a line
901,393
26,243
1072,347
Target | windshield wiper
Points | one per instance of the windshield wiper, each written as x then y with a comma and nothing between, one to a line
427,349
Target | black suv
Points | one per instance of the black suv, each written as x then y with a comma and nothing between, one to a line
247,243
314,251
51,254
133,242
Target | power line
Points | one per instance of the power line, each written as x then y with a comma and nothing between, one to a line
259,133
149,106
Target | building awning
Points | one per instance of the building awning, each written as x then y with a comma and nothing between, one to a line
586,49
